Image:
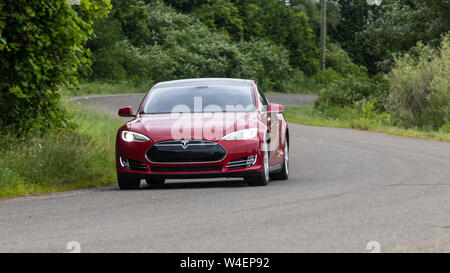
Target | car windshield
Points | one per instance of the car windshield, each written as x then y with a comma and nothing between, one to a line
199,99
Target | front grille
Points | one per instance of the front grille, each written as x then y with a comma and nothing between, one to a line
137,165
186,151
187,169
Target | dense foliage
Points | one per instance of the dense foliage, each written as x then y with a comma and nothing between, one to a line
42,47
260,19
180,46
419,92
150,41
372,36
398,25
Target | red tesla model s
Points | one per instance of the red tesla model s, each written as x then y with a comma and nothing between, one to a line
203,128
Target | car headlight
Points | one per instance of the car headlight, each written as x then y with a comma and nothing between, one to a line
245,134
133,137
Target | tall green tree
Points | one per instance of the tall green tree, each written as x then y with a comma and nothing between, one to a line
312,9
400,24
185,5
355,15
221,15
133,16
42,45
273,20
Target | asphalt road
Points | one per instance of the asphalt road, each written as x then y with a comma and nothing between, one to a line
347,188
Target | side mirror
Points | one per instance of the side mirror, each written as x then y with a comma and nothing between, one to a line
126,112
274,108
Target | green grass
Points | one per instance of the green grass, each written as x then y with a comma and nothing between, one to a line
348,117
93,88
61,160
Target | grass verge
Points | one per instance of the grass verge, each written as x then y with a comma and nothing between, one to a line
348,117
60,160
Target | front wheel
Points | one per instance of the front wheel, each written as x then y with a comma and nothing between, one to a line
284,174
263,178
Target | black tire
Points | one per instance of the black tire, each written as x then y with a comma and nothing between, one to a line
284,174
261,179
155,181
128,183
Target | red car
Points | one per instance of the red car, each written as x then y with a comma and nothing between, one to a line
203,128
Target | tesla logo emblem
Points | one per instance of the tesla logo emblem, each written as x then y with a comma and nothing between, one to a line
184,144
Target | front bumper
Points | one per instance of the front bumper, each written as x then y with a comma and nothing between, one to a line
134,175
236,149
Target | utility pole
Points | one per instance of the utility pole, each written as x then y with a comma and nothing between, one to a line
323,35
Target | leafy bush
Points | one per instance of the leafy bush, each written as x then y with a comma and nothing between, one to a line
339,61
299,83
349,90
266,63
419,94
42,46
345,83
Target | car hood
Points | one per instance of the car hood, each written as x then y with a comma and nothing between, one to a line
206,126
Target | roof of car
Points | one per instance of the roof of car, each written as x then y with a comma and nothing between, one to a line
204,81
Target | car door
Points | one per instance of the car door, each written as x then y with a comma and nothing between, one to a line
274,128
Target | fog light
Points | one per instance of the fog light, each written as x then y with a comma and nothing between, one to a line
251,160
124,162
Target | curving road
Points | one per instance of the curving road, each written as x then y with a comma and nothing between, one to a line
347,188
